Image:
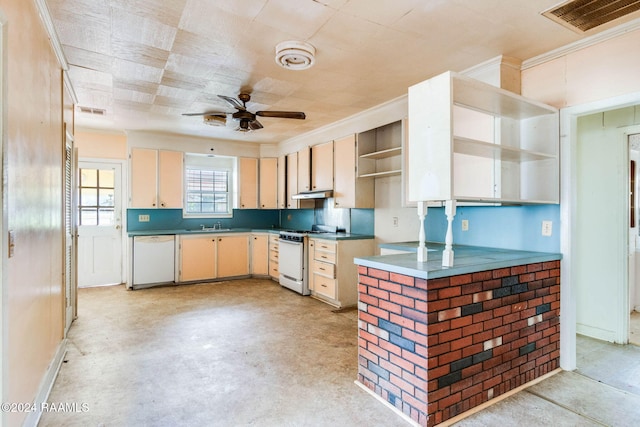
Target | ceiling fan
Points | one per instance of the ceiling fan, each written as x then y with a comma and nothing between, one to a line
246,120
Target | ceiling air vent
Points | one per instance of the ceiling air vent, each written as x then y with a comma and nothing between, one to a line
584,15
96,111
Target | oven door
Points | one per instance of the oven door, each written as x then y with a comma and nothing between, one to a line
291,257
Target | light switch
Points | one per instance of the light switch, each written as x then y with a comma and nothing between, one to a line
547,228
143,218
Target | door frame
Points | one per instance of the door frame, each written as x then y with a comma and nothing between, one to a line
71,294
4,236
123,204
568,210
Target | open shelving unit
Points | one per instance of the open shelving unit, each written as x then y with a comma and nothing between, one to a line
473,142
380,151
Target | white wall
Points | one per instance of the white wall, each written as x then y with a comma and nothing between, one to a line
389,206
192,144
601,221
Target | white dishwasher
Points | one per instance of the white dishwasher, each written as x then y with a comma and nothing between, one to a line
153,260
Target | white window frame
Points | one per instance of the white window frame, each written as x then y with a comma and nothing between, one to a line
200,162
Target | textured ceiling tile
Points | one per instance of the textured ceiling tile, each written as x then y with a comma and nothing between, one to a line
172,102
173,92
279,87
124,69
181,81
386,12
122,106
180,54
88,59
167,12
142,30
300,19
84,37
132,95
135,52
199,46
136,85
91,77
204,18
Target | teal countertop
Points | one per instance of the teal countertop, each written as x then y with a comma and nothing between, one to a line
467,259
326,236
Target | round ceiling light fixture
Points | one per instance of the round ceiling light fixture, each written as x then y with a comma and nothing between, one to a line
294,55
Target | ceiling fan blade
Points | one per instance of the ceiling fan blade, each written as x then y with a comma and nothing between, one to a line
208,113
255,125
233,102
282,114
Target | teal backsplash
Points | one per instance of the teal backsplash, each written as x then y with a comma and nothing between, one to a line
361,220
171,219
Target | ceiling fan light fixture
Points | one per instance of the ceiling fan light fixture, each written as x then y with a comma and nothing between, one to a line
295,55
215,120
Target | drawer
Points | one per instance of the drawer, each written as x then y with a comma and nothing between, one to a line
325,256
326,246
324,286
274,238
274,255
273,270
324,269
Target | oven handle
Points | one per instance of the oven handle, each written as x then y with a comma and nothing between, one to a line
290,243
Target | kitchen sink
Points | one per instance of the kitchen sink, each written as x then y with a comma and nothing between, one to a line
200,230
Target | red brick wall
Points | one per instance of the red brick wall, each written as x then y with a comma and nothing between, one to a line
437,348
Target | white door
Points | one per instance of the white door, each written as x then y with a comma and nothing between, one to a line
99,224
634,220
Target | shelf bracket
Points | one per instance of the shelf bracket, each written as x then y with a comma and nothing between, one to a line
447,253
422,249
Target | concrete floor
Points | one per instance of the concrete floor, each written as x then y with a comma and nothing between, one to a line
250,352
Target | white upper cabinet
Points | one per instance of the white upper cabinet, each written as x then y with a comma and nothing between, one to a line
470,141
248,177
322,166
269,183
156,178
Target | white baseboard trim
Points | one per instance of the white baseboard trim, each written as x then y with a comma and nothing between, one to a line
46,384
387,404
471,411
594,332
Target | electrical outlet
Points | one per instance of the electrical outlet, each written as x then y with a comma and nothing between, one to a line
465,225
143,218
547,228
395,221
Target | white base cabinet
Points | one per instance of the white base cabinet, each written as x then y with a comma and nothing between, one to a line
333,277
274,254
213,256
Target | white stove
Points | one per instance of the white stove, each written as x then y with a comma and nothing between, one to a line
294,265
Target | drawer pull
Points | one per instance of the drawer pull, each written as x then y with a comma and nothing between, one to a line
323,285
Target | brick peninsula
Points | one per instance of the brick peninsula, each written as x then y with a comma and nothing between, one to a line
435,342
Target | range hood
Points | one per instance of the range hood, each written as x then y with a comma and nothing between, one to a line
325,194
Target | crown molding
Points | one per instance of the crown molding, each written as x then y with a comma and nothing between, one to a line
374,117
45,16
69,86
581,44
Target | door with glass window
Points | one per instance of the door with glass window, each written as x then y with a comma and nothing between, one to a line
99,224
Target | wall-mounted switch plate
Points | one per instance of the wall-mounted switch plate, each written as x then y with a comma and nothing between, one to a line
547,228
465,225
143,218
395,221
